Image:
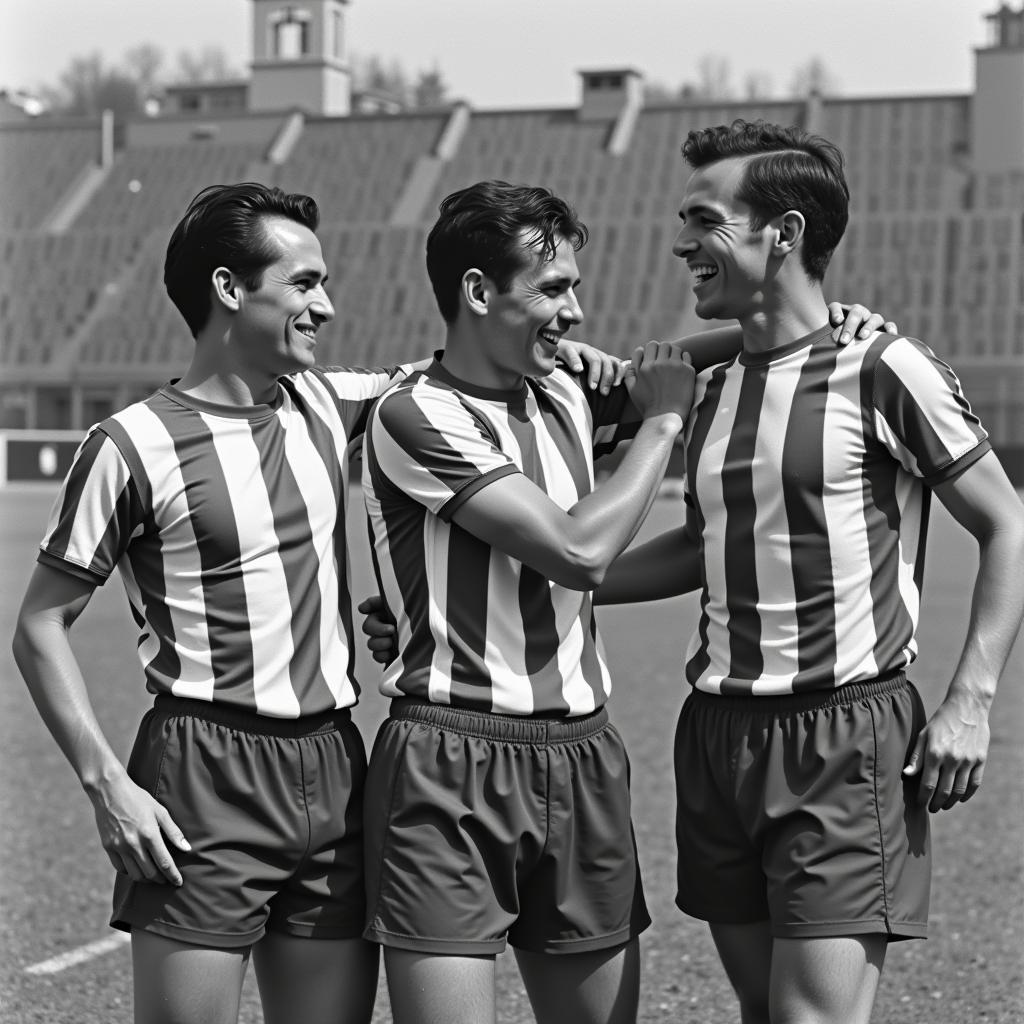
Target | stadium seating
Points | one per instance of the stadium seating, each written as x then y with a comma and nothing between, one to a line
38,164
938,248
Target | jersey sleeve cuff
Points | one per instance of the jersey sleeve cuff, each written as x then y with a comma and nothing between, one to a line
71,568
456,501
955,468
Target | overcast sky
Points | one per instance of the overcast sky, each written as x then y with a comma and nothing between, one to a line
498,53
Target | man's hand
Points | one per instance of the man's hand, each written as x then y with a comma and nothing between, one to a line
379,628
856,321
132,827
661,379
949,756
603,370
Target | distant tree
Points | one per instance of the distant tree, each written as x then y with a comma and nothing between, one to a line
714,77
210,64
430,90
87,87
426,91
144,63
757,85
814,77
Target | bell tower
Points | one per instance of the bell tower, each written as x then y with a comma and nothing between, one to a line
299,57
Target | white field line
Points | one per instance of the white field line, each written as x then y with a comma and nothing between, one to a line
89,951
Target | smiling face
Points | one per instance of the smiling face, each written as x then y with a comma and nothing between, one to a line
277,322
729,259
526,320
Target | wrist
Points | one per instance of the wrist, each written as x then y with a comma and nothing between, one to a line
668,422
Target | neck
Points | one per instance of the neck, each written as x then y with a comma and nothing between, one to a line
214,376
466,357
783,316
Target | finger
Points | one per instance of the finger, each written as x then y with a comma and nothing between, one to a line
371,604
836,314
890,328
609,374
169,828
943,786
958,792
381,643
375,625
621,368
913,765
974,781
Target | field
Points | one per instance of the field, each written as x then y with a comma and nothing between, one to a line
55,881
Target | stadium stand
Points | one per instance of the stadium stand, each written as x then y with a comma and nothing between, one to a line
936,237
39,162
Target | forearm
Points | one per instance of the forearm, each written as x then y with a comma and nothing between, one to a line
997,608
666,566
54,679
603,523
708,348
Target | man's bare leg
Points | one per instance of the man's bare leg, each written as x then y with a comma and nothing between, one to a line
426,988
600,987
177,983
316,981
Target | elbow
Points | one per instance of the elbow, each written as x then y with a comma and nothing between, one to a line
583,568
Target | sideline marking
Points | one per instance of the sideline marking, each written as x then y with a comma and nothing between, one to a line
89,951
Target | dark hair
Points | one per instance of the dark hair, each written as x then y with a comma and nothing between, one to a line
789,169
223,227
481,226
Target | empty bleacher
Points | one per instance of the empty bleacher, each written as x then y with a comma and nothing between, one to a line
930,244
38,164
356,168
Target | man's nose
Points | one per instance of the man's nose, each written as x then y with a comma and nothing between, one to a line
572,310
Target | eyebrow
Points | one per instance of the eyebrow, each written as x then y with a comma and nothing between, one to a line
561,279
698,208
298,275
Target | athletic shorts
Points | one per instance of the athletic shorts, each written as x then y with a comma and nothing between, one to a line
794,810
483,827
272,809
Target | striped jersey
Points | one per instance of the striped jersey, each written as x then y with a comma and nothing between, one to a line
807,487
476,628
228,527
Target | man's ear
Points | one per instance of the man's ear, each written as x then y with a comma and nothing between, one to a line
475,291
225,289
789,232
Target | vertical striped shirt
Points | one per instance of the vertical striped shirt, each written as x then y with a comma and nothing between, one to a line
807,486
477,628
228,527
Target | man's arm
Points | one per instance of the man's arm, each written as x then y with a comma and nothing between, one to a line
665,566
951,750
131,823
574,548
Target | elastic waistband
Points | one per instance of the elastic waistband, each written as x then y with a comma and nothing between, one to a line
248,721
813,700
491,726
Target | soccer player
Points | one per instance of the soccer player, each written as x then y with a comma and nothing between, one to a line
804,768
237,825
497,801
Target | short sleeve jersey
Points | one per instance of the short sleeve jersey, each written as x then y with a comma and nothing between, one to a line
808,473
228,527
475,627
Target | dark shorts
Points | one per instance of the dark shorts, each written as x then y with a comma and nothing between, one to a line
794,810
273,811
482,828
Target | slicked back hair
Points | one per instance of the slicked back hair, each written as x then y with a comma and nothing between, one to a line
223,227
787,169
484,225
